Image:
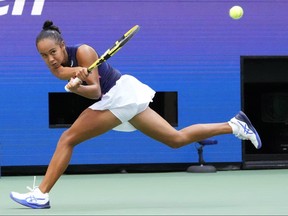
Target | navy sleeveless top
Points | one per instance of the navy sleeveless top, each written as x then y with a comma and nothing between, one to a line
108,74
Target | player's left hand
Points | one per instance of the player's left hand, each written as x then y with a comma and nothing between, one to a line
82,73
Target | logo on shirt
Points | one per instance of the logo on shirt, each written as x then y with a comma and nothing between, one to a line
18,7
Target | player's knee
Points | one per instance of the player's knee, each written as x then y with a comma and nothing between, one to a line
67,139
175,142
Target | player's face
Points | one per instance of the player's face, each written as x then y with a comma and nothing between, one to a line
52,52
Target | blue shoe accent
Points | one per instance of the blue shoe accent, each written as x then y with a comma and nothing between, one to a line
250,129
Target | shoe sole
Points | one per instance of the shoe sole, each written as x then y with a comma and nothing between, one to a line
24,203
242,117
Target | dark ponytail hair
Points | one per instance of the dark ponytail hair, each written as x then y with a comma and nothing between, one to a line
49,30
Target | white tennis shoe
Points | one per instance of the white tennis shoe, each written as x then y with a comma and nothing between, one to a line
34,199
243,129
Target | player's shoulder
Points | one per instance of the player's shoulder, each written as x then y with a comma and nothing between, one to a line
86,53
85,47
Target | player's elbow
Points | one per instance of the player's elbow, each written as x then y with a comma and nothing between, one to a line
96,93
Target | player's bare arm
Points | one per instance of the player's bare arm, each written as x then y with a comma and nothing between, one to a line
86,56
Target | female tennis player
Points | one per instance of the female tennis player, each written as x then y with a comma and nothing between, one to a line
123,105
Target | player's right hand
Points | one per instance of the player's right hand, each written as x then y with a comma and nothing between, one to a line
73,84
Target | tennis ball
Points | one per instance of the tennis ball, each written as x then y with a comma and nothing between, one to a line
236,12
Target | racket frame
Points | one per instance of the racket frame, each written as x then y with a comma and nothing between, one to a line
111,51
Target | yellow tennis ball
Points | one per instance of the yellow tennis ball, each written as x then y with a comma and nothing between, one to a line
236,12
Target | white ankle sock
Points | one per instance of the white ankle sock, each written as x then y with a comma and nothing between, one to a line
234,127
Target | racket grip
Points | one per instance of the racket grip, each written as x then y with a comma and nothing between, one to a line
75,81
66,89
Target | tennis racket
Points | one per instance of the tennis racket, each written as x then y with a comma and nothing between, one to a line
111,51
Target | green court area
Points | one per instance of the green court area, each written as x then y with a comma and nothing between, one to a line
241,192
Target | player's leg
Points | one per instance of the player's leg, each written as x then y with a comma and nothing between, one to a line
90,123
153,125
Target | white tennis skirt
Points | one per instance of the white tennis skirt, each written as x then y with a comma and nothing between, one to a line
126,99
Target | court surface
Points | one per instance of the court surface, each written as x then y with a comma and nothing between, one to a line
240,192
